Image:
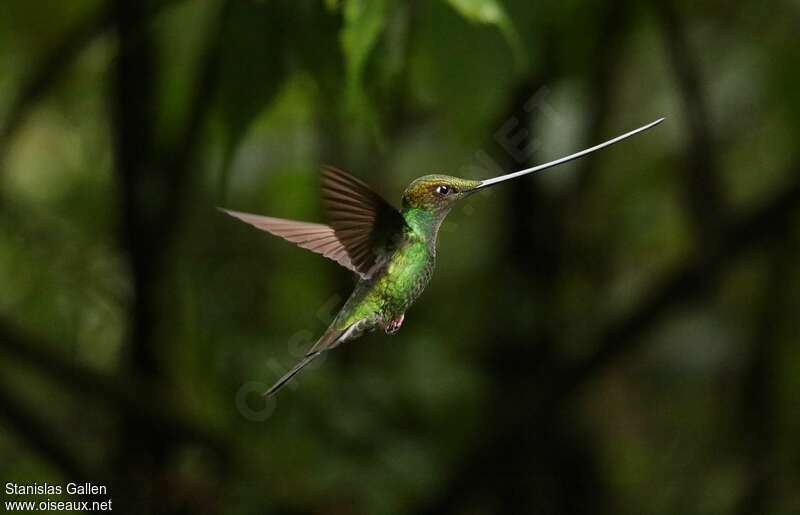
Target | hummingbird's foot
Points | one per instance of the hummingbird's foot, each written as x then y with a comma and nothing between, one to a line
394,325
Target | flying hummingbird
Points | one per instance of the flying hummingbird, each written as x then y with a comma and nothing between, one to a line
391,251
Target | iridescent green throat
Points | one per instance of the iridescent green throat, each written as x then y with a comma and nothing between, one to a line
425,224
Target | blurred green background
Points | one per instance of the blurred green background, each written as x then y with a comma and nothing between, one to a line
618,335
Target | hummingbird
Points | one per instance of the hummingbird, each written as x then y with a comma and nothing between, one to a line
391,251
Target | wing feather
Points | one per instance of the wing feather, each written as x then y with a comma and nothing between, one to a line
318,238
363,221
363,226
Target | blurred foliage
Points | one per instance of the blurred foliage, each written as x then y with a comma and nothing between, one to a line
618,335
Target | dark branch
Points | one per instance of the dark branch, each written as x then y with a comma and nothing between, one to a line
702,188
140,183
757,405
601,81
181,160
152,186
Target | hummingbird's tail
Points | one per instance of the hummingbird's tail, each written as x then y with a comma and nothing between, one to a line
290,374
327,341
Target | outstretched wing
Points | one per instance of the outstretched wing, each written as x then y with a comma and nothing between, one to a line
315,237
363,221
362,225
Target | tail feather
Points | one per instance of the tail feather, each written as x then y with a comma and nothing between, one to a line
327,341
333,338
290,374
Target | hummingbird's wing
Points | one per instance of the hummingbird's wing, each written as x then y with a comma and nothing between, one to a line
315,237
363,221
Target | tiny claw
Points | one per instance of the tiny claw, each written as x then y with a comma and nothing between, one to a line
394,325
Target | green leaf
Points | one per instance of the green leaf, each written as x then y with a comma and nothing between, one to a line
364,20
253,68
492,12
481,11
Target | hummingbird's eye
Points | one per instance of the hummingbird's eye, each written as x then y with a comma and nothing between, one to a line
443,189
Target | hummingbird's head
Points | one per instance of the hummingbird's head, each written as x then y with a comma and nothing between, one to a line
437,193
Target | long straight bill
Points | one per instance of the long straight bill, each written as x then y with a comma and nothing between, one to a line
576,155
